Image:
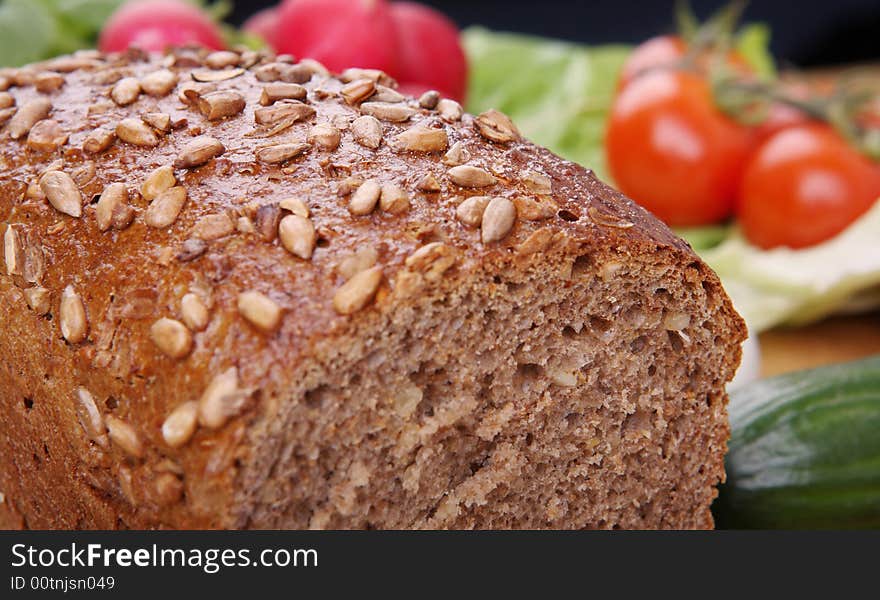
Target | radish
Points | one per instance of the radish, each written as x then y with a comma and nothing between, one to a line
154,25
339,33
430,53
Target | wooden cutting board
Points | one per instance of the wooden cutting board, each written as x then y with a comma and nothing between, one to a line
838,339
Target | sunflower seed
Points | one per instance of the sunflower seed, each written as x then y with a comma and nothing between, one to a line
297,235
314,67
394,199
432,260
222,59
498,219
165,208
375,75
158,181
159,83
27,116
62,193
46,83
395,113
449,110
46,136
198,152
364,199
190,92
470,212
325,136
211,76
112,209
259,310
357,91
38,299
428,183
429,99
421,139
388,95
361,260
280,153
284,110
168,489
194,312
220,105
274,92
135,131
607,220
537,183
457,155
221,400
72,317
279,71
295,205
171,337
367,131
531,209
213,227
497,127
90,418
471,177
99,140
125,91
161,122
180,425
267,219
13,251
124,435
358,291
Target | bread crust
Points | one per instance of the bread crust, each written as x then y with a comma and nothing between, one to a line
223,241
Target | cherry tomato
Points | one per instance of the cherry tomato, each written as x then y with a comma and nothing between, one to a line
339,33
668,51
431,56
803,186
264,23
672,151
154,25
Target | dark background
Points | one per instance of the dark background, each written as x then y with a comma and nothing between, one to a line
805,33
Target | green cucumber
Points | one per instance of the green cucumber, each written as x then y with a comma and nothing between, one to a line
804,451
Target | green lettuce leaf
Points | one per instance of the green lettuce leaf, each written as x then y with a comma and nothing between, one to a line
784,286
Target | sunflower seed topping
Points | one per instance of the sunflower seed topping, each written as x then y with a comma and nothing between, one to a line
367,131
62,193
471,177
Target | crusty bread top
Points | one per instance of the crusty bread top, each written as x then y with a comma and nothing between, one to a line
297,200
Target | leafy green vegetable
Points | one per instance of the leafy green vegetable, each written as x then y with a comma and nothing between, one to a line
770,287
28,31
560,94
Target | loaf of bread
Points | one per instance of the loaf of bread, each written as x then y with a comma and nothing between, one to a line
241,292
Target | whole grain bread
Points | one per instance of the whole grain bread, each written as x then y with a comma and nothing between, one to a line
240,292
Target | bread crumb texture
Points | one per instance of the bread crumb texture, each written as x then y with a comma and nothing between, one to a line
242,292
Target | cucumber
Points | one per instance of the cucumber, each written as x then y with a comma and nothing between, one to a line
804,451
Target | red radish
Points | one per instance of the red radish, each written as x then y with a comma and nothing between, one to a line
339,33
154,25
264,24
430,53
